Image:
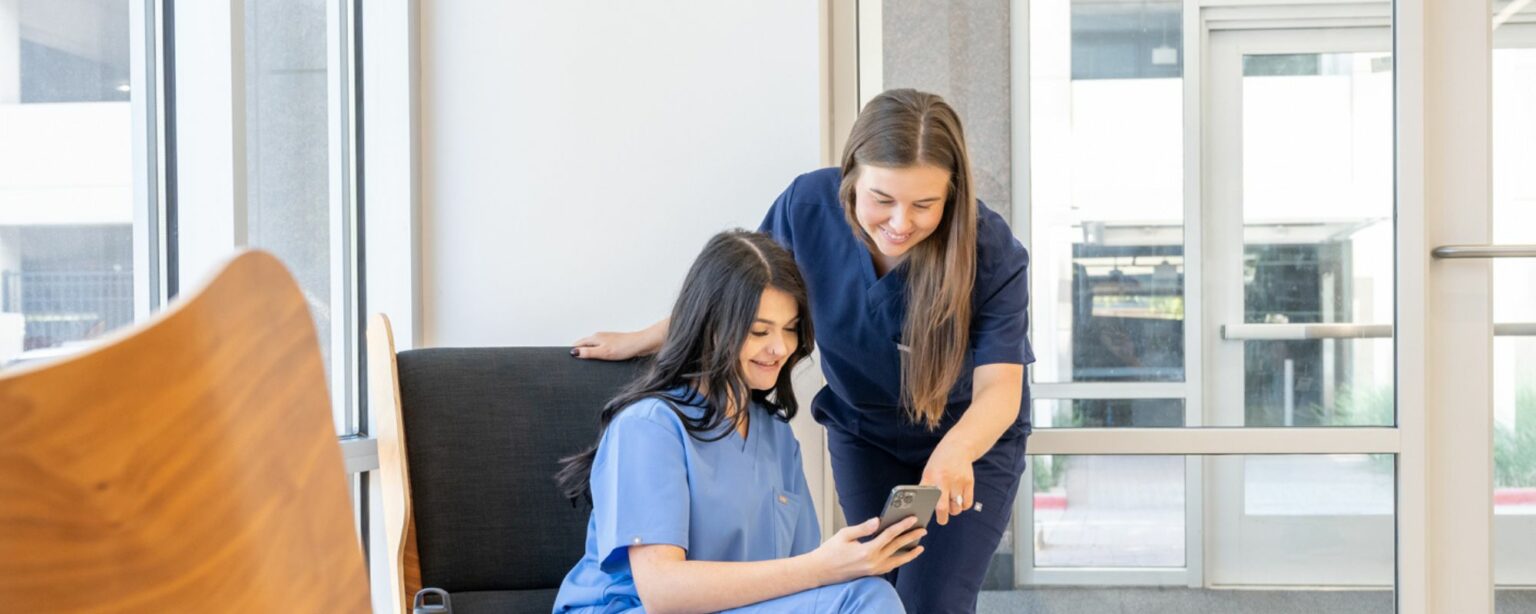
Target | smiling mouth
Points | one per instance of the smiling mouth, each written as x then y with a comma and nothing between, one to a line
894,237
767,365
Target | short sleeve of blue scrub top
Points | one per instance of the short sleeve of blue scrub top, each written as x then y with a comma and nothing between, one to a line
859,317
733,499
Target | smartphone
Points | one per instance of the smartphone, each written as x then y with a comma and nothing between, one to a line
906,501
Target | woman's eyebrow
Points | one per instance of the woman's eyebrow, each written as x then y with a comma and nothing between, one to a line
921,200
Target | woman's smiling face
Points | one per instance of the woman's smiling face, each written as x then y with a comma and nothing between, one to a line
774,335
900,207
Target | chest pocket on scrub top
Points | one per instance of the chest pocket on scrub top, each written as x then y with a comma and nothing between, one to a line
786,515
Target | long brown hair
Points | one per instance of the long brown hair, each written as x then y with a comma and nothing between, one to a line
710,322
904,128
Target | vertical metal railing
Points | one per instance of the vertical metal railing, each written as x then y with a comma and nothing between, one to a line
64,306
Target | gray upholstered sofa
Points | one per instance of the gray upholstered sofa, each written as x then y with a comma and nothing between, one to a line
469,441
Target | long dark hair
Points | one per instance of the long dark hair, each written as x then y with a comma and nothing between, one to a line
903,128
710,321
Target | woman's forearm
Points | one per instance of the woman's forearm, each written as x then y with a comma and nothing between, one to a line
997,393
667,584
654,335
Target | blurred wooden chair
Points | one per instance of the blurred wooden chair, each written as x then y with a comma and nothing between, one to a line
188,464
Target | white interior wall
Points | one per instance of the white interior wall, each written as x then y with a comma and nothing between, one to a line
577,155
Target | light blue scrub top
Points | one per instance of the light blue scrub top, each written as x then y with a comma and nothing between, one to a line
732,499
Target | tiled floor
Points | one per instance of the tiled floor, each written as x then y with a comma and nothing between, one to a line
1194,601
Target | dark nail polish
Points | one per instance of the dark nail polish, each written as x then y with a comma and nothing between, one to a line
575,352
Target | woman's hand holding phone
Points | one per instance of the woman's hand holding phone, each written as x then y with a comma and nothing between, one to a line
949,468
845,557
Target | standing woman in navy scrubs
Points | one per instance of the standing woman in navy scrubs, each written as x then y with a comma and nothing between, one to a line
919,294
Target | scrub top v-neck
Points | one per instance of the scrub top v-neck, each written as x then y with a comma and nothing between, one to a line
859,315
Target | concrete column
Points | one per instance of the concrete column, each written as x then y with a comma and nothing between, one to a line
959,51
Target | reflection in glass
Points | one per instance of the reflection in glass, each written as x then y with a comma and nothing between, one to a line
1292,523
1120,39
67,52
1107,199
66,186
1318,235
1316,520
1127,313
1318,485
288,157
1109,511
1514,301
1514,222
1107,413
1318,382
1514,429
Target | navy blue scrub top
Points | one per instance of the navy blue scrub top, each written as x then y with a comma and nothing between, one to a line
859,316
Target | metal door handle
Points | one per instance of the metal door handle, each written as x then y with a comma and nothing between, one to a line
1297,332
1485,251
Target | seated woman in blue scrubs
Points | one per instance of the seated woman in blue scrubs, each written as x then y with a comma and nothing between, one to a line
919,293
699,502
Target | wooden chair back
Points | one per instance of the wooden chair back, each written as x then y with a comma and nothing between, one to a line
188,464
402,560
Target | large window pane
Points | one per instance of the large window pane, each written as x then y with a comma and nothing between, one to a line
1514,212
1107,197
289,162
966,62
1514,300
1316,382
1323,521
1319,485
66,185
1297,522
1109,511
1318,236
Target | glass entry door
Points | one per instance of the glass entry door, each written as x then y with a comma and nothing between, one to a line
1299,257
1514,295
